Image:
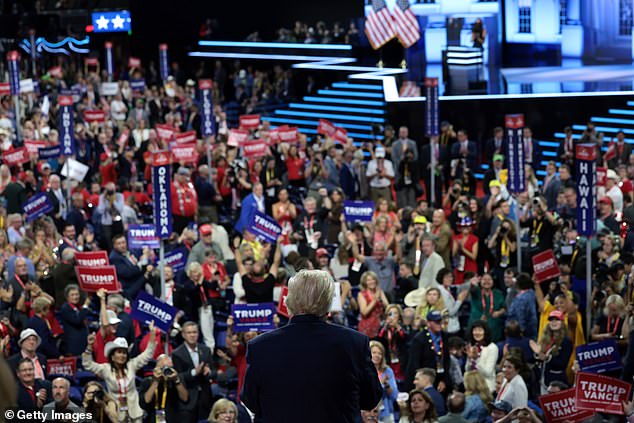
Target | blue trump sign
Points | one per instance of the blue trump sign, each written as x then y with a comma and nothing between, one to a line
358,211
147,308
176,259
14,72
140,236
161,183
37,206
47,153
253,317
599,357
264,227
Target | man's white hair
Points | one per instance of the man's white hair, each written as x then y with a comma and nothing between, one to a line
310,292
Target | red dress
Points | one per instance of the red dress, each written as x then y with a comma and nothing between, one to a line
469,264
371,324
286,222
295,168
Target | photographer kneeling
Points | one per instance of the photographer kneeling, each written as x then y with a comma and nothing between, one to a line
160,392
99,403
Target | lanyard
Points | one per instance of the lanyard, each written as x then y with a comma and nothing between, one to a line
504,248
123,390
163,399
19,280
308,225
616,325
537,230
269,176
168,294
502,390
490,302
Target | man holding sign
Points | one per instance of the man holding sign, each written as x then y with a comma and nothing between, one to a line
340,378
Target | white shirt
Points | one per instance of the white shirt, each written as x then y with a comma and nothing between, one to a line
118,110
616,195
514,392
380,182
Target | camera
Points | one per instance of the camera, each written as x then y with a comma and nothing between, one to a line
536,202
110,192
98,395
167,371
503,229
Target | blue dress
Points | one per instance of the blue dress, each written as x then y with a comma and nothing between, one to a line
475,410
388,400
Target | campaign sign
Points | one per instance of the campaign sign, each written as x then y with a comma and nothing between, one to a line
341,135
432,110
140,236
109,60
147,308
164,69
274,136
91,61
75,93
186,137
602,176
134,62
208,122
264,227
64,367
545,266
92,258
137,84
5,89
601,393
49,152
14,72
176,259
237,137
516,161
94,115
255,148
560,407
358,211
185,153
33,146
287,134
281,305
325,127
37,206
92,279
249,121
599,357
66,125
27,86
161,185
586,172
75,169
253,317
109,88
165,132
15,157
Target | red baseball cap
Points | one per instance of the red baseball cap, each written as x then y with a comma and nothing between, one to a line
556,314
205,229
322,252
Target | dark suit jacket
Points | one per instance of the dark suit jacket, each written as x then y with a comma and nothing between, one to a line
490,149
15,359
537,154
472,154
422,354
349,182
551,193
75,328
16,195
622,158
184,365
425,159
25,402
131,277
323,372
48,346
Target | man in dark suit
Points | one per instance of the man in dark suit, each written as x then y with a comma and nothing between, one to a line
566,150
442,162
29,341
429,349
551,186
321,372
131,272
463,155
193,363
348,178
495,145
532,153
57,198
622,150
32,392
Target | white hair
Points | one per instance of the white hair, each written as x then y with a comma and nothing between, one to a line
310,292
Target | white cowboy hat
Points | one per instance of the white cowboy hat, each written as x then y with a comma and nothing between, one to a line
415,297
116,344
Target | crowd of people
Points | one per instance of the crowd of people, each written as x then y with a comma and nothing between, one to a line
457,331
319,33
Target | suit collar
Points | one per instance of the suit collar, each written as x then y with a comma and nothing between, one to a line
306,318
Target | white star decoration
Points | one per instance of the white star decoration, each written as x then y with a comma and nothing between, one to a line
102,22
117,22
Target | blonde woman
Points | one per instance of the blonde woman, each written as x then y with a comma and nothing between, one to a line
223,411
432,301
477,397
100,403
120,373
372,302
387,379
553,350
611,324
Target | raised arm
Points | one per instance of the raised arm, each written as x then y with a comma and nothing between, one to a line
277,257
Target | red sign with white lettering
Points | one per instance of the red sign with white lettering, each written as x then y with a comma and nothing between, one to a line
341,135
5,88
586,152
560,407
237,137
161,158
165,132
64,367
94,115
186,137
326,127
545,266
205,84
32,146
184,153
602,176
250,121
92,258
16,156
514,121
65,100
600,393
288,134
134,62
92,279
281,305
255,148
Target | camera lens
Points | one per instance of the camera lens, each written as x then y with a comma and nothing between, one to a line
167,371
98,395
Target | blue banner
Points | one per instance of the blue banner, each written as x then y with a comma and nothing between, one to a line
599,357
147,308
265,227
208,123
358,211
432,110
253,317
109,62
164,68
14,72
177,259
140,236
137,84
47,153
161,184
37,206
515,161
586,172
73,92
67,131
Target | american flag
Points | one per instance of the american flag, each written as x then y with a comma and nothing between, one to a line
405,23
409,89
378,25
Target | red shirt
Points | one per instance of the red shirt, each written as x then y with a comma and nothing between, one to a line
108,174
99,345
224,190
184,199
295,168
626,186
208,274
469,264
